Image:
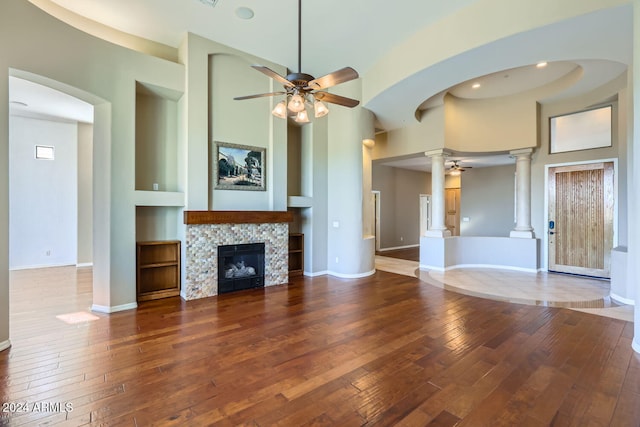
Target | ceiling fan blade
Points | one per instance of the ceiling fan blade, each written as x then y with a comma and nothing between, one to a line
269,72
336,99
343,75
260,95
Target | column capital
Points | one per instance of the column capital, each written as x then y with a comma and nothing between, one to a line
521,152
439,152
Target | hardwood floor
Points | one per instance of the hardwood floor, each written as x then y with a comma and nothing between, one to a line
383,350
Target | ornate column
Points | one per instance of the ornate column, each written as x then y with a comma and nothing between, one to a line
523,194
438,227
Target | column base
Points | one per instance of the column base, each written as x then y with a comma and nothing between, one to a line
521,234
438,233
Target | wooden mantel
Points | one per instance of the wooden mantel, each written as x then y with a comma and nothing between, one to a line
237,217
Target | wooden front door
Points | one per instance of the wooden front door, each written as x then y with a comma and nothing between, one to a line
581,219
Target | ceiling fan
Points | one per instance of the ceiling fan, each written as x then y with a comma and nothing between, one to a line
303,89
456,169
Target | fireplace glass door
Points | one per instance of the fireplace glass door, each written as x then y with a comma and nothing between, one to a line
240,267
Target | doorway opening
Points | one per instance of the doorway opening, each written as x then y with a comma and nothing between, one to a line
89,234
51,196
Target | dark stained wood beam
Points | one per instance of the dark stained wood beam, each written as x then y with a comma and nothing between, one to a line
237,217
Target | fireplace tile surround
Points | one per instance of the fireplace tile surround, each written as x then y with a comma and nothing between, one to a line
202,240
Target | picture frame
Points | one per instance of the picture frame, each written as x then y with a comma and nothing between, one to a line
582,130
239,167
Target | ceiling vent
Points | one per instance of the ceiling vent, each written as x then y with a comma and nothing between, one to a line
211,3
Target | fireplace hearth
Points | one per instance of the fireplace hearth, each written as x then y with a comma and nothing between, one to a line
240,267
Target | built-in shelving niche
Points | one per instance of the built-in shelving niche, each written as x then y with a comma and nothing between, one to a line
159,195
157,222
157,138
299,200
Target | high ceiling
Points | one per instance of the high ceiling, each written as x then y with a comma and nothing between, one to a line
335,33
364,33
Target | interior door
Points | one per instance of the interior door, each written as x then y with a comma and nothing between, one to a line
425,213
376,217
581,219
452,210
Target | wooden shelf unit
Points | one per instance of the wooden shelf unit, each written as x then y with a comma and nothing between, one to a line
158,269
296,254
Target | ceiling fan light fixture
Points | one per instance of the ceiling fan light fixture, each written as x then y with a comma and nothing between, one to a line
320,109
296,103
280,110
455,172
302,88
302,117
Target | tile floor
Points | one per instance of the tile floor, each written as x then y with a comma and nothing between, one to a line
545,289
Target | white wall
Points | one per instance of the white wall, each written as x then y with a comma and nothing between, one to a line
230,76
43,194
487,199
104,75
85,194
314,184
156,146
349,253
400,191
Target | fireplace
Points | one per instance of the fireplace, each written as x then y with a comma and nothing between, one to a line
208,230
240,267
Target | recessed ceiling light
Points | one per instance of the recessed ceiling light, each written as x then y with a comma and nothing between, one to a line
475,85
541,64
244,13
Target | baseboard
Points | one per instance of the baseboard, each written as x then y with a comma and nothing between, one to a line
340,275
316,274
352,276
494,266
417,245
635,345
84,265
34,267
114,309
621,300
5,345
497,267
430,267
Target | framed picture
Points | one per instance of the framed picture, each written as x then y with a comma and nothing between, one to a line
580,131
239,167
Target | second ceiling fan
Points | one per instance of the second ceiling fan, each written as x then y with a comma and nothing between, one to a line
303,89
456,169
